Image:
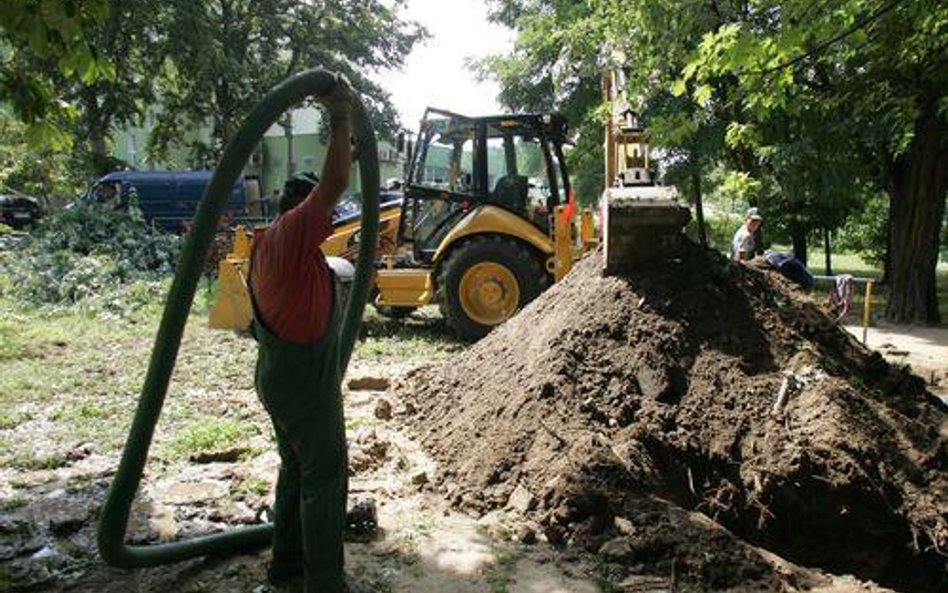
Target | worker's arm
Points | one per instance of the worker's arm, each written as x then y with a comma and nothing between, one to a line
298,233
335,178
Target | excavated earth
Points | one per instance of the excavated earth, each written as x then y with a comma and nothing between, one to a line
636,415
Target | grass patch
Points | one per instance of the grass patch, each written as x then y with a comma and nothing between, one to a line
10,344
251,487
505,564
35,461
85,412
359,422
209,436
421,337
8,420
11,504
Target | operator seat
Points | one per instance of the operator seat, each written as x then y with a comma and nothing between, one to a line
511,192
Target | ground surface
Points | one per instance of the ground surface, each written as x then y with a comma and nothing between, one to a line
925,349
68,387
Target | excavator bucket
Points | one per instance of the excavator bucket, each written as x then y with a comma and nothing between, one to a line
641,225
232,309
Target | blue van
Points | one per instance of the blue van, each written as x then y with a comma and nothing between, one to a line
169,199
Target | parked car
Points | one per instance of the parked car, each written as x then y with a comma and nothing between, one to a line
19,211
169,199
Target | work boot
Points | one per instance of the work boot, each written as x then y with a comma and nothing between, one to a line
362,521
355,588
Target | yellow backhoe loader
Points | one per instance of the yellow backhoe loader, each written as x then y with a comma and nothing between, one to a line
485,224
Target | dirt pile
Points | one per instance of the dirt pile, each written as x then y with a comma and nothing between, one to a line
611,406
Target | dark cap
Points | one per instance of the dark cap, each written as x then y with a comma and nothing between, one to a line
296,189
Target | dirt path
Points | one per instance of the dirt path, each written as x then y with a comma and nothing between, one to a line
924,348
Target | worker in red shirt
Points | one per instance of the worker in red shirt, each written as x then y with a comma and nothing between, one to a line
296,316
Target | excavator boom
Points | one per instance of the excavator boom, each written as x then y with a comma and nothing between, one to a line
642,221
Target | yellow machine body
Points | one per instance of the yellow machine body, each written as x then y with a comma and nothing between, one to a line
528,213
344,240
415,287
491,220
404,287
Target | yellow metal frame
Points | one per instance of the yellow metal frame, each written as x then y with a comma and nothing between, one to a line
340,243
562,261
488,220
587,230
404,287
232,309
867,313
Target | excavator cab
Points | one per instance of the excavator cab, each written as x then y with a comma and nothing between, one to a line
512,162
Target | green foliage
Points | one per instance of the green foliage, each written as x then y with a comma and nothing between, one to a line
89,252
54,33
221,56
48,174
209,435
866,232
720,230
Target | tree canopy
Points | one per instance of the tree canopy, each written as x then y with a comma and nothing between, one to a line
810,107
222,55
76,69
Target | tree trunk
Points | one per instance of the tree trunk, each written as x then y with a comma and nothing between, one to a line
98,150
919,182
887,260
96,132
798,238
699,207
828,252
287,124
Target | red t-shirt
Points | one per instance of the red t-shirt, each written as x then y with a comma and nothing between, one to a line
292,284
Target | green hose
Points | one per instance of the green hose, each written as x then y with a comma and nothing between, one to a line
115,513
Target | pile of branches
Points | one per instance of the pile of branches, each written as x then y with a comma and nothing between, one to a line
89,252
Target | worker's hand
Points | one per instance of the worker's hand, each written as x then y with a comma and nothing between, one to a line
338,102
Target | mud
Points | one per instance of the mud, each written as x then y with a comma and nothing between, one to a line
707,408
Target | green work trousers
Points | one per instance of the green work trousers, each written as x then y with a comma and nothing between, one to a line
299,387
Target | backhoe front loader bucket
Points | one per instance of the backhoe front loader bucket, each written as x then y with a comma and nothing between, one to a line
232,309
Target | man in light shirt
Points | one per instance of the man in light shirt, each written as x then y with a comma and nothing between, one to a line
743,244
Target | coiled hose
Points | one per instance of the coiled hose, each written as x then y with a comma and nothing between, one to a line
115,513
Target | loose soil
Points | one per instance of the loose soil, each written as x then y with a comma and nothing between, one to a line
637,415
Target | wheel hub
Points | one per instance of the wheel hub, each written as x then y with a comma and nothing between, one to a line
489,293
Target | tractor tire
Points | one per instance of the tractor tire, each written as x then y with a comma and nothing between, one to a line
484,282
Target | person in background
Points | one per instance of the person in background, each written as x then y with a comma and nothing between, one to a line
265,202
743,246
296,315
